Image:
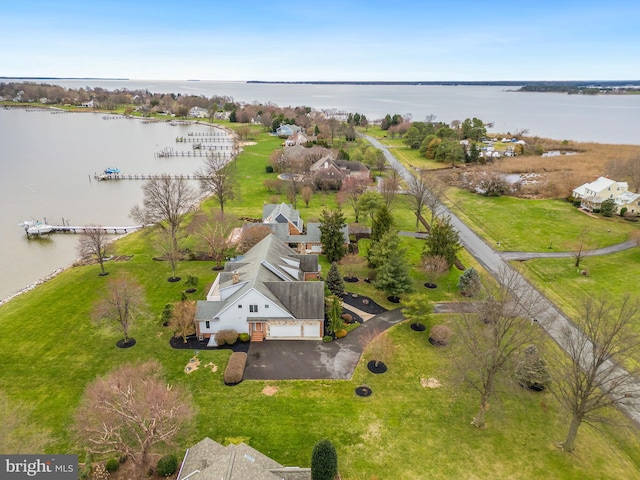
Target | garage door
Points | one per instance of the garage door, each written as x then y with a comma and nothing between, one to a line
284,331
311,330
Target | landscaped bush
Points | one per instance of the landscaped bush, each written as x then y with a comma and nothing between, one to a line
327,339
244,337
347,317
226,337
235,368
341,333
167,465
440,335
469,282
268,169
112,465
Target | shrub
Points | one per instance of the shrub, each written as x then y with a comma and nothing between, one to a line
268,169
324,461
623,210
327,339
235,368
531,371
440,335
469,282
226,337
341,333
347,317
112,465
244,337
167,465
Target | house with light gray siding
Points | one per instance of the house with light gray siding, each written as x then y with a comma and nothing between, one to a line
271,292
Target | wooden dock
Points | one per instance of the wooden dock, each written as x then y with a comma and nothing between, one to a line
84,228
205,139
150,176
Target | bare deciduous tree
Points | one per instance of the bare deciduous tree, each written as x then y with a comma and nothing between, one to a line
492,338
380,346
218,179
580,247
170,251
307,194
215,236
418,193
591,380
132,411
390,187
167,201
435,191
183,319
351,190
434,266
122,303
93,243
252,235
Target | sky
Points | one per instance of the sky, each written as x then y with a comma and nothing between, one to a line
372,40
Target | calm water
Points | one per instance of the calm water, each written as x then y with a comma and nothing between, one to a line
47,160
603,119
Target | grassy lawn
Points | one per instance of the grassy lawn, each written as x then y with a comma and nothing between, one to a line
534,225
51,350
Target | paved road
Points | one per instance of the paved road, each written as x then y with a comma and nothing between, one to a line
557,325
600,251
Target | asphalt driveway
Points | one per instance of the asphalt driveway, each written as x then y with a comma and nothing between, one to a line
299,359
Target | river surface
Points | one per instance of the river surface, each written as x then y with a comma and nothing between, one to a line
583,118
48,160
47,165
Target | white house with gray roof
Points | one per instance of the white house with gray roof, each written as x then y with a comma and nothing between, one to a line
592,194
209,460
271,292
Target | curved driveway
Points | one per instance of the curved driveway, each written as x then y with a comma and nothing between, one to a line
550,318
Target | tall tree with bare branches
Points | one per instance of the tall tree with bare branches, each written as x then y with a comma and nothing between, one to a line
590,380
492,339
214,235
122,303
183,319
134,412
219,179
166,201
93,243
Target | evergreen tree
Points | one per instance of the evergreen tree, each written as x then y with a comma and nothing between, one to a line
417,307
335,315
393,275
331,225
335,284
382,223
532,371
380,250
443,240
469,282
324,461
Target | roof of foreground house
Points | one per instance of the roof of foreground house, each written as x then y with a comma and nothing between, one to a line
275,271
208,459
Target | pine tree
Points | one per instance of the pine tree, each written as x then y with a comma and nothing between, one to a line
469,282
393,275
443,240
379,251
335,284
331,224
324,461
382,223
335,315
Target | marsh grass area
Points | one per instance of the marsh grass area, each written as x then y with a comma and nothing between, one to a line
51,350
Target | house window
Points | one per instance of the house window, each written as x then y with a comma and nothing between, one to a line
207,324
266,306
253,308
239,306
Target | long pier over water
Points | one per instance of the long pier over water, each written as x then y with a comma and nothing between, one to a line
150,176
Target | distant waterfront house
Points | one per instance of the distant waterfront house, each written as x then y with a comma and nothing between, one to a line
297,138
286,224
90,104
208,459
594,193
198,112
271,292
328,172
288,130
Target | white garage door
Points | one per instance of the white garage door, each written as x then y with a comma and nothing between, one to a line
284,331
311,330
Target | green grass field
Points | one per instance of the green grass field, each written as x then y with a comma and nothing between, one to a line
534,225
51,350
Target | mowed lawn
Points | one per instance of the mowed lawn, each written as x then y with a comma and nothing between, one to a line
514,224
52,350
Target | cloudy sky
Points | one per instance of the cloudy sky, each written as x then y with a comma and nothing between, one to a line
321,40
